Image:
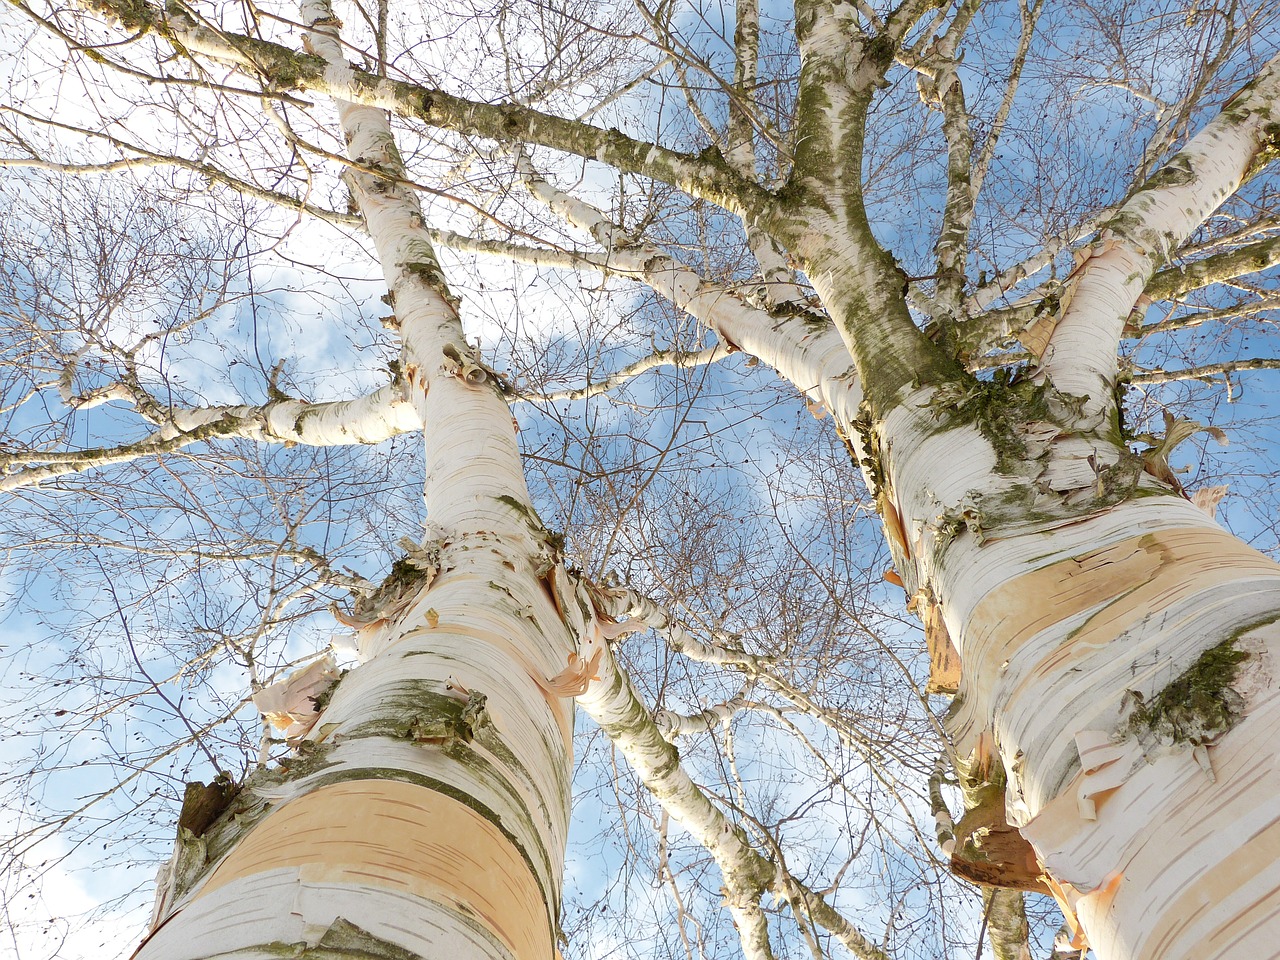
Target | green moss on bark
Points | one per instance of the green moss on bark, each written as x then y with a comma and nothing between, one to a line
1199,705
342,941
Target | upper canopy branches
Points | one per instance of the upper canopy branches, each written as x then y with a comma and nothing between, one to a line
283,69
835,200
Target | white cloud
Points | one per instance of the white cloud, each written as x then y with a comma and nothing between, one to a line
53,911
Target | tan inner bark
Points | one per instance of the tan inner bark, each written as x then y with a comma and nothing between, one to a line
1127,581
394,835
944,661
1240,871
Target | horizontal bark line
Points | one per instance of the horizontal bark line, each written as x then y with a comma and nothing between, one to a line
243,921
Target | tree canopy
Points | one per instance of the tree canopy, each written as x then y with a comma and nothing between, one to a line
209,458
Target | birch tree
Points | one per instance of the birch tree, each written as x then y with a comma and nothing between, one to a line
999,251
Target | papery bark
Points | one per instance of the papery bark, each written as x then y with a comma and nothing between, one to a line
426,811
1067,625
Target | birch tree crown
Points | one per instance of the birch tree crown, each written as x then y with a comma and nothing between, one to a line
676,479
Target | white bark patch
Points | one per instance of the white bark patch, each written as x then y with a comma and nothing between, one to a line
1140,610
372,418
235,920
1200,857
487,638
937,473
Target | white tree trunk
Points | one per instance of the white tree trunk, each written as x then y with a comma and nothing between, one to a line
1170,850
1157,817
427,809
430,820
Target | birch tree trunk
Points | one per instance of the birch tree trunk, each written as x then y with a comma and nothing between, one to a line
426,811
1119,673
1118,647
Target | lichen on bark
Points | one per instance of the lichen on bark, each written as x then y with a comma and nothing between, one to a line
1199,705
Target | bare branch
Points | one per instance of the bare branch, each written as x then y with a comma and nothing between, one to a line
706,175
679,359
1206,372
615,706
1176,281
370,419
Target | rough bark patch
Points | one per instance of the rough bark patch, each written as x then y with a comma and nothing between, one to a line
561,708
1201,857
990,852
394,835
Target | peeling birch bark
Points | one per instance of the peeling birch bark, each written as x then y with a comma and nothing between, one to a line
1118,607
1084,631
944,661
428,805
1084,601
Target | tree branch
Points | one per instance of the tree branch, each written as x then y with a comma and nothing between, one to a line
1029,17
1200,318
1206,372
811,356
1182,279
998,327
614,705
679,359
705,175
369,419
940,86
149,158
1150,226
